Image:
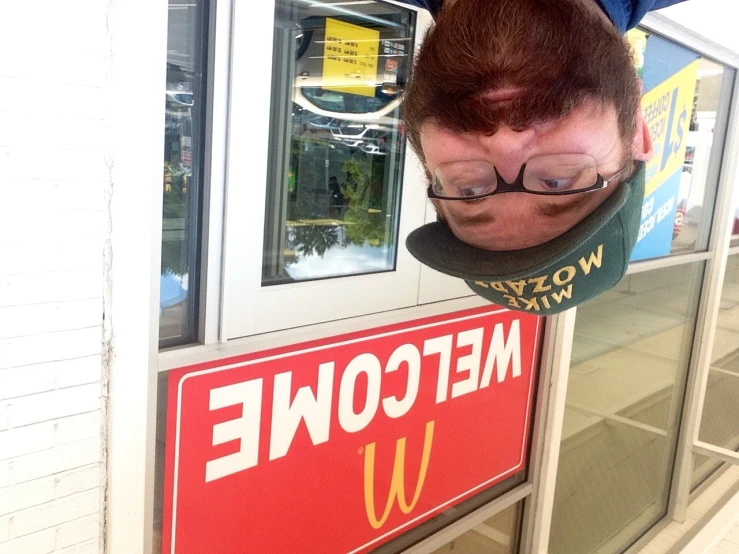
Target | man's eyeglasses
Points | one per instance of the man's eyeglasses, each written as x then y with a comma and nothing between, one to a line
549,175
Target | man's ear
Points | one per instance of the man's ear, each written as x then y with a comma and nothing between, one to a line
641,148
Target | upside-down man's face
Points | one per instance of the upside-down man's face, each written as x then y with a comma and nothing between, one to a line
501,84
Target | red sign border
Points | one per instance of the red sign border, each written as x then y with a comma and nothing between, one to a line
194,370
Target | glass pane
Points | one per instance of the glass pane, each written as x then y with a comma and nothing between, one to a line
694,190
183,137
720,421
682,95
629,365
337,148
498,535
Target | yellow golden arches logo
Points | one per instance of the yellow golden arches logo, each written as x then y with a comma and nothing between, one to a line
397,484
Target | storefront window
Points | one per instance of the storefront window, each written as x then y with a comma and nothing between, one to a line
336,141
184,127
681,105
497,535
720,421
630,360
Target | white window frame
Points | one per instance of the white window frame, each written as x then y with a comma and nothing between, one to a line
248,307
435,286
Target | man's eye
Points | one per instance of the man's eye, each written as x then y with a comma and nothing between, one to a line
471,190
557,184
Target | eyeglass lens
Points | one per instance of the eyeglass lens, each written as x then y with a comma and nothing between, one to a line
552,174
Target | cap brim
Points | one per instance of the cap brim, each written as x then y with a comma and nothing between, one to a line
435,245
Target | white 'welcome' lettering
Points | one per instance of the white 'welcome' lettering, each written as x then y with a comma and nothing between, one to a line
315,410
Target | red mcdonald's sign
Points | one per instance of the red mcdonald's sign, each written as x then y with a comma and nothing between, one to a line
341,444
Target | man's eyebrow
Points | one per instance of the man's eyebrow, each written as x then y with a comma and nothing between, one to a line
556,209
485,216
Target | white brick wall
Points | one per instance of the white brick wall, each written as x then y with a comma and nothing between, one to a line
53,102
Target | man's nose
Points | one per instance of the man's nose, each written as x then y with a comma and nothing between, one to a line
508,149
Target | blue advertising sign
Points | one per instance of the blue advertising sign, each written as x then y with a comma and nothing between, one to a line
658,220
669,75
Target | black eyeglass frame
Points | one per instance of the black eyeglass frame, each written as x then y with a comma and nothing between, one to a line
517,186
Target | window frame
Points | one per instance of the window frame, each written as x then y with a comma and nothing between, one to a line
247,307
195,229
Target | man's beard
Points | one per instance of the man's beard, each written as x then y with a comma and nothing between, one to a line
557,51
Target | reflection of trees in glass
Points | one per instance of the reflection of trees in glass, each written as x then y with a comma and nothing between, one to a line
316,159
173,258
175,208
309,240
332,182
364,218
311,198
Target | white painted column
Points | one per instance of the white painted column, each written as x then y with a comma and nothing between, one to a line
138,47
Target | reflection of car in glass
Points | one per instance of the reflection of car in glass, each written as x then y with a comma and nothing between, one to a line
371,138
180,98
179,83
368,137
318,121
351,131
373,149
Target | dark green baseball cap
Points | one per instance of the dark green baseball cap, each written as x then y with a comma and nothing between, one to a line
584,262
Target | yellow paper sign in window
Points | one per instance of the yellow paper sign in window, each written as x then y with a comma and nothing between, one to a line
350,58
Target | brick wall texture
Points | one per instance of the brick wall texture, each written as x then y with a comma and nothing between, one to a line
52,177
